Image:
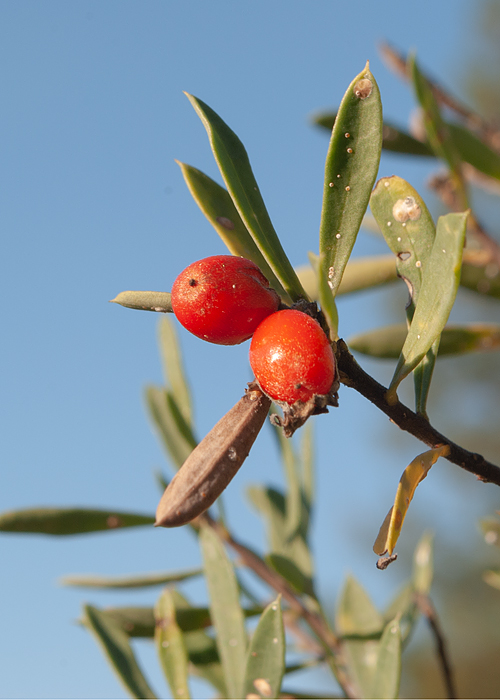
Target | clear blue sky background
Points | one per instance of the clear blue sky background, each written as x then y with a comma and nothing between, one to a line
92,203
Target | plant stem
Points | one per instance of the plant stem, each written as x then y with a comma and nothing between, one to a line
329,640
352,375
427,609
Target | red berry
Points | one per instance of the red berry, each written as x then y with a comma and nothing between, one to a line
223,299
291,357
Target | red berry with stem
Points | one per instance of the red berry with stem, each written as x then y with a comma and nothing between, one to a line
291,357
222,299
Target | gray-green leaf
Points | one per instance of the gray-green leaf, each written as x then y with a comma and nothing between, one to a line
227,615
116,645
351,168
69,521
236,171
265,662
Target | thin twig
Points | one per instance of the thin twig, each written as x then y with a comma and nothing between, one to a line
329,640
397,62
427,609
352,375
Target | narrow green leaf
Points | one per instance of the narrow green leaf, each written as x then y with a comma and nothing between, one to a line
403,605
145,301
217,205
437,295
173,368
201,647
69,521
351,168
291,572
308,472
388,670
325,296
170,646
271,503
360,274
409,231
141,581
204,660
437,131
356,615
387,342
167,419
116,646
294,495
474,151
236,171
226,612
423,569
135,621
140,622
265,663
393,138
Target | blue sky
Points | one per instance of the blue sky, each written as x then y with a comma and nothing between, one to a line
92,203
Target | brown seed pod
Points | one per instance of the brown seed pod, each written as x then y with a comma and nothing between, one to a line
214,462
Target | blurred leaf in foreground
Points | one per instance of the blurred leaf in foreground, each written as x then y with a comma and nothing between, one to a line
69,521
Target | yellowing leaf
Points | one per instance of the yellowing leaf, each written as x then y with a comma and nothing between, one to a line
414,473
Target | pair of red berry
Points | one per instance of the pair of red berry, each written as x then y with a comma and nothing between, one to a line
226,300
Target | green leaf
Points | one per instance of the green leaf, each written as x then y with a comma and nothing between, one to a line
437,131
437,295
135,621
204,660
291,572
116,646
173,368
294,495
409,231
225,608
404,607
201,648
308,487
217,205
388,669
170,646
360,274
271,503
351,168
145,301
393,138
387,342
167,419
235,168
141,581
423,569
265,662
356,615
140,621
473,151
325,296
69,521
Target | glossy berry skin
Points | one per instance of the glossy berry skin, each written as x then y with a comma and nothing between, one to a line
222,299
291,357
